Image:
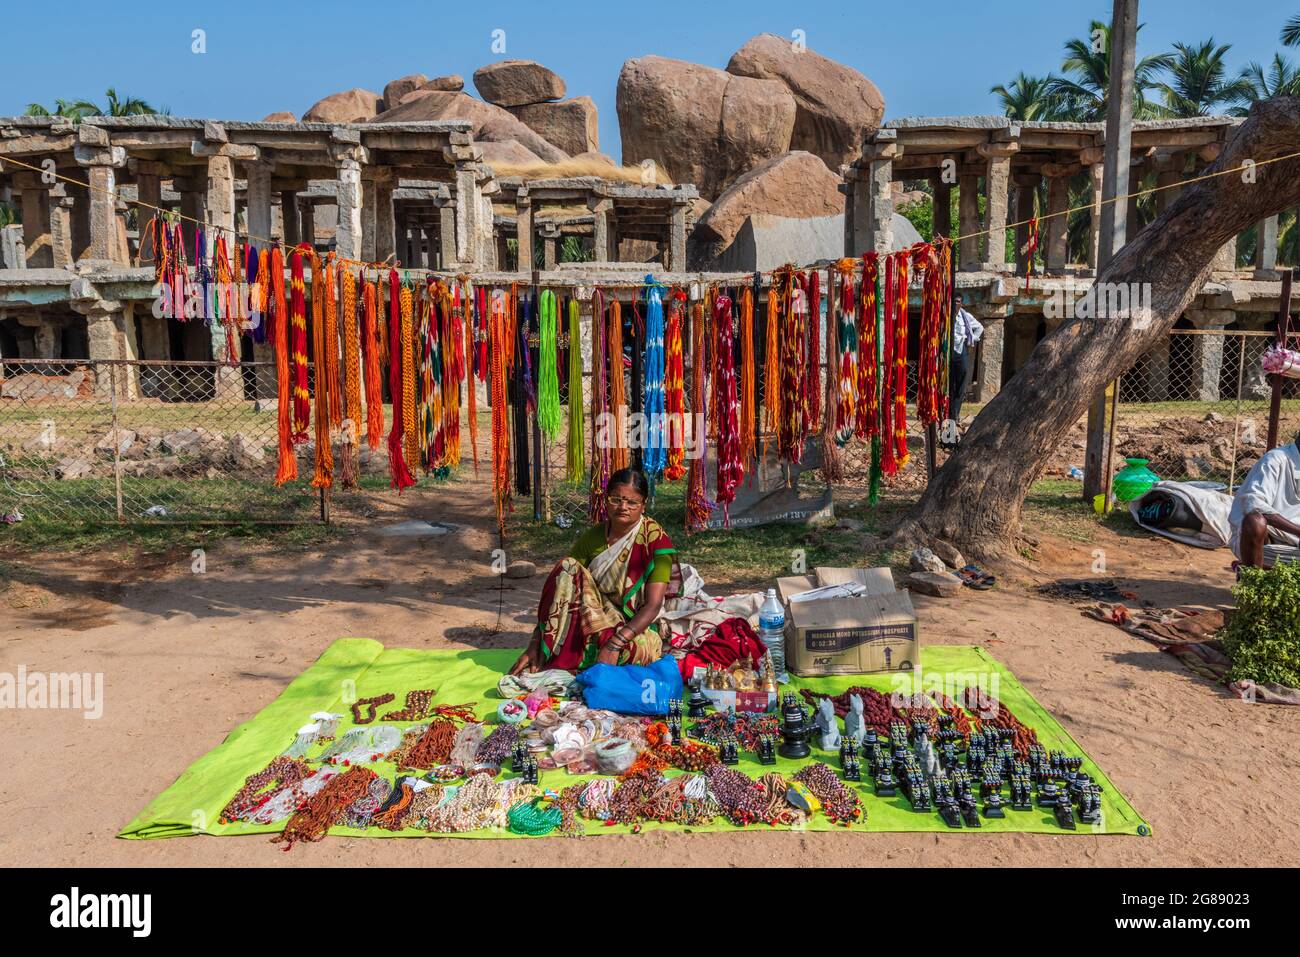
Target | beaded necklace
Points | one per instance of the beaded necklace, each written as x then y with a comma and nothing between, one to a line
364,709
325,809
282,772
841,805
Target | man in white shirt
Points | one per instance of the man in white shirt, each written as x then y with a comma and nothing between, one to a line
1266,509
966,331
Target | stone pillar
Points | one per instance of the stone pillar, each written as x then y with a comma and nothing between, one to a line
434,251
1057,238
192,212
600,211
110,335
968,222
289,217
61,226
80,219
1026,186
368,210
1155,373
1207,352
677,239
997,188
446,235
1094,225
942,207
467,203
1225,260
37,234
550,236
503,253
385,227
524,219
259,204
1265,248
307,219
991,346
221,222
148,188
850,213
348,238
876,227
1166,190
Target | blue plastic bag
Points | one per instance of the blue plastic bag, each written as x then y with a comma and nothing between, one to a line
632,689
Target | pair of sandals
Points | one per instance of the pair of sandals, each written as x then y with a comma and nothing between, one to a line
972,576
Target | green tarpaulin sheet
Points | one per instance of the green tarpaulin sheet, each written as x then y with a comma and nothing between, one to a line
354,668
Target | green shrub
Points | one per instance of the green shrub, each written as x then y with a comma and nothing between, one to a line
1263,636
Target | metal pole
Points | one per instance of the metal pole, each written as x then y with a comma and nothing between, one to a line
1283,321
1098,459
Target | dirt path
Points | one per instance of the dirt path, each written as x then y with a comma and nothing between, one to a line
186,657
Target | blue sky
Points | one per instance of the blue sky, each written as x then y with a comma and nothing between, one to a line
928,59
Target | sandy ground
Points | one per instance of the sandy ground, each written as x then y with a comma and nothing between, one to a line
186,657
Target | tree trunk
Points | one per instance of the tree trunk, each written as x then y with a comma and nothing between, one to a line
974,500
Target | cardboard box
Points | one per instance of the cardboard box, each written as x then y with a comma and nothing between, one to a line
843,636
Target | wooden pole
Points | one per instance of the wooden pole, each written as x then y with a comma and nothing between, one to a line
1283,321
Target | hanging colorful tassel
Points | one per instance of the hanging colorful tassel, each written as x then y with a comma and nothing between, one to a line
576,465
453,372
771,365
499,345
697,501
812,363
371,338
926,257
548,386
846,366
287,469
398,370
901,289
888,460
675,388
655,453
467,353
427,379
832,465
298,329
869,349
730,468
617,389
351,380
600,431
745,381
793,421
320,278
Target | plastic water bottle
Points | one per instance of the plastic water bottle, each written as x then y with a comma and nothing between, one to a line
771,631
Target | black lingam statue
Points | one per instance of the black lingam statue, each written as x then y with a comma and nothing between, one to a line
796,729
698,701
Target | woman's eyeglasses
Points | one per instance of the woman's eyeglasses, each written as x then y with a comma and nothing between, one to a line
623,502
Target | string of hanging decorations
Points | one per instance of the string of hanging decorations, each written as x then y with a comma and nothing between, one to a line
665,380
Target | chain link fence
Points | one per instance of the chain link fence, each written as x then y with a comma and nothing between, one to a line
1197,407
142,441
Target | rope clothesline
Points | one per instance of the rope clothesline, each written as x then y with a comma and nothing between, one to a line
392,263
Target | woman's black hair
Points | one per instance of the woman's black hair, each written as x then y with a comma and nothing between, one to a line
633,477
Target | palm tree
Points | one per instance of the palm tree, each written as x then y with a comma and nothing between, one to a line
1291,32
1081,95
1281,78
78,110
1028,98
74,109
1198,81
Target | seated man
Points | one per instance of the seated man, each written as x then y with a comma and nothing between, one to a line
1266,509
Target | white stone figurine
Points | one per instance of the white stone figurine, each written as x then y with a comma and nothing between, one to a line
855,726
827,726
926,757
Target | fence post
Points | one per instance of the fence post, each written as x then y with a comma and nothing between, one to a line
117,440
1283,321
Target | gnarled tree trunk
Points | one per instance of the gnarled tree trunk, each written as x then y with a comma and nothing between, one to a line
974,500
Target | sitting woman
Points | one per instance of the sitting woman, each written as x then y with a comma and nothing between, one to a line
599,605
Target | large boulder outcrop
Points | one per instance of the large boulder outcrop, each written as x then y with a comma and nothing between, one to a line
396,89
794,185
350,106
281,116
705,126
507,154
836,105
490,123
451,83
517,83
569,124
